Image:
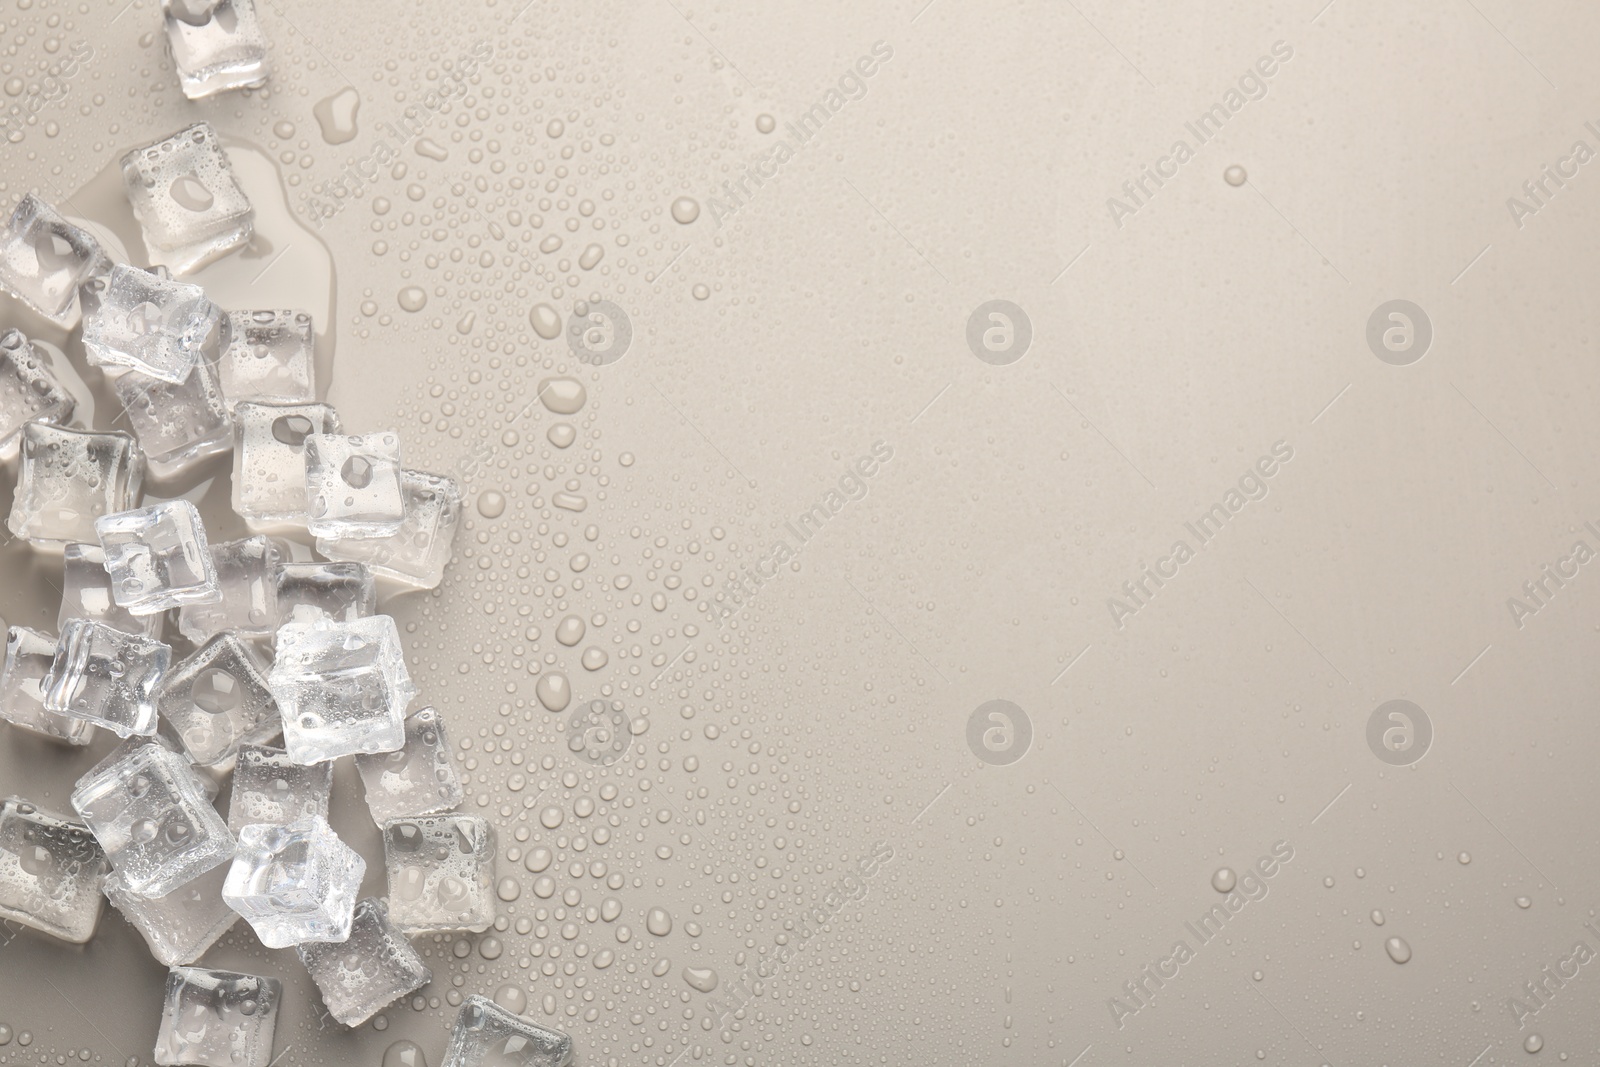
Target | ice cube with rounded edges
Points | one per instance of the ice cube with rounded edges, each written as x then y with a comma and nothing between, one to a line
271,789
158,557
52,871
178,426
374,967
44,258
417,554
86,594
295,883
149,323
353,485
106,677
216,45
29,654
180,926
342,688
247,579
188,203
441,873
487,1035
416,779
268,357
337,592
69,478
217,700
269,464
217,1019
29,392
149,812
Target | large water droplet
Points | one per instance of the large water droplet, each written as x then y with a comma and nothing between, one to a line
703,979
1397,949
546,321
404,1054
553,691
658,922
336,115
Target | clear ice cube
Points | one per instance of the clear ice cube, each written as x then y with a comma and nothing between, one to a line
149,323
342,687
28,392
247,572
295,883
217,1019
417,554
44,258
216,45
181,925
487,1035
373,968
337,592
149,812
441,873
188,203
271,789
68,479
29,654
86,594
52,872
269,461
179,425
268,357
353,485
107,677
416,779
217,700
158,557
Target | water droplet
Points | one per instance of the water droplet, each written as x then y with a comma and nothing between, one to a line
685,209
658,922
1524,902
508,889
591,257
404,1054
546,321
593,658
701,291
1533,1043
336,115
512,999
1464,858
428,148
1235,175
491,504
189,192
1224,879
765,123
553,691
1397,949
1377,917
569,631
564,396
703,979
539,859
551,817
412,298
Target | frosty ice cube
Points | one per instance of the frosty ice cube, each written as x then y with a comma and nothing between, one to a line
28,392
487,1035
374,967
44,258
150,324
217,699
338,592
217,1019
295,883
441,873
417,554
149,812
353,485
68,479
180,926
216,45
416,779
86,594
29,654
177,425
271,789
51,872
158,557
247,578
269,463
269,357
186,199
342,687
106,677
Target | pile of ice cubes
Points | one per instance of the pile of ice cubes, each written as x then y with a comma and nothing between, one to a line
201,655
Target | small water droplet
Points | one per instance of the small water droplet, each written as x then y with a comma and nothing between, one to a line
412,298
491,504
1397,949
1224,879
404,1054
1533,1043
658,922
1235,175
546,321
765,123
685,209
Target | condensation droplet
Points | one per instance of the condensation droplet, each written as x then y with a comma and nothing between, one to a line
491,504
1235,175
553,691
336,115
512,999
765,123
1223,879
546,321
685,209
658,922
412,298
1397,949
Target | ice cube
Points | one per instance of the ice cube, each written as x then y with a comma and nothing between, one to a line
217,699
338,592
441,873
44,258
158,557
269,357
149,323
415,556
247,578
271,789
269,463
86,594
180,926
487,1035
28,392
217,1019
68,479
180,425
342,687
374,967
295,883
216,45
353,485
51,872
130,745
28,657
149,812
416,779
107,677
187,201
